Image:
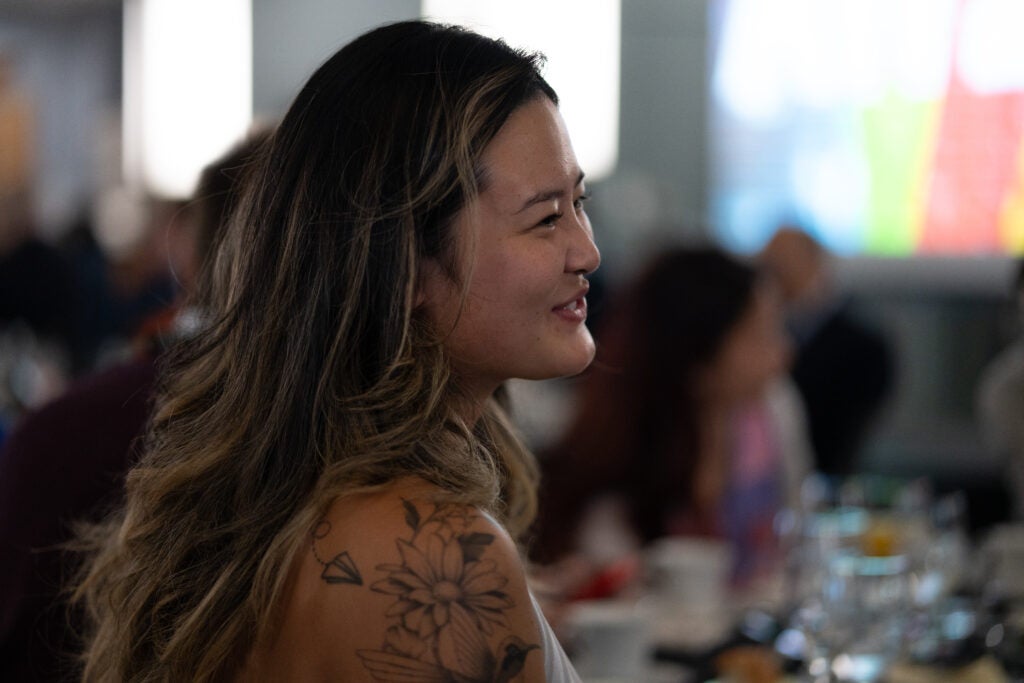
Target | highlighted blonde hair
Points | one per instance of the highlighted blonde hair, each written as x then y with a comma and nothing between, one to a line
318,375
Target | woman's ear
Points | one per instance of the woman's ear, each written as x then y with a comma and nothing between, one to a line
419,295
438,295
429,278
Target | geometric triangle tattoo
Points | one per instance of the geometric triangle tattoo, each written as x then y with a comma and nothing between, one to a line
342,570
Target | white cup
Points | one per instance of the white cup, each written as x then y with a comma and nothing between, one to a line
608,639
1004,550
691,571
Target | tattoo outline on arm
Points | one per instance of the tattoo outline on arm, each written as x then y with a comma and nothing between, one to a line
339,569
448,598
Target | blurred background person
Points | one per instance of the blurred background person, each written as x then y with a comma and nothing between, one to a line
66,460
142,274
68,302
72,306
842,368
683,425
1000,401
36,284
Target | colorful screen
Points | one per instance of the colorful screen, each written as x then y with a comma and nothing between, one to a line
884,127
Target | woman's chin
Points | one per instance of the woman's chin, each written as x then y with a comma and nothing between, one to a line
570,366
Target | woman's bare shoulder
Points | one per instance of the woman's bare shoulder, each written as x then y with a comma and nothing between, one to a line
398,585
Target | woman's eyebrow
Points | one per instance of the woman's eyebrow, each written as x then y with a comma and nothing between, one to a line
547,195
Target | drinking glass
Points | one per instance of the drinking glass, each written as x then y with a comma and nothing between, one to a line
855,622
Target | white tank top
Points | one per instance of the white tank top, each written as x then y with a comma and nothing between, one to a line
557,667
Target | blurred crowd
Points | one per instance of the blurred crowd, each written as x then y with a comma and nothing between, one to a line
721,385
83,334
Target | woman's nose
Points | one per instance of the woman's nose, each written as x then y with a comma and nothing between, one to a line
583,256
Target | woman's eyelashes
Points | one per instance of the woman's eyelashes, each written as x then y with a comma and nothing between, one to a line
550,220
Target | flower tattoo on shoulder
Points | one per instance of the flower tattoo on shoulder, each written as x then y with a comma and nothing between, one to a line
448,599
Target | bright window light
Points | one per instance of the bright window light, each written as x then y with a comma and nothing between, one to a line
581,40
915,147
991,51
187,88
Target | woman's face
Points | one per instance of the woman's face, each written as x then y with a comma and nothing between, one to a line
526,246
754,352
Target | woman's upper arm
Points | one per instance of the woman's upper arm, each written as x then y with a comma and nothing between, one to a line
411,590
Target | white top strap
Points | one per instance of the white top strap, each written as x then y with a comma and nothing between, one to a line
557,666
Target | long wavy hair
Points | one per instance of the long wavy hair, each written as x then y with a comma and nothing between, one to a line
636,432
318,375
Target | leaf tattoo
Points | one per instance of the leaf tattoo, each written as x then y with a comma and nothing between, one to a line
412,515
474,544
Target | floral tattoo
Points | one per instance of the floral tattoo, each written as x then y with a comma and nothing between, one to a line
448,598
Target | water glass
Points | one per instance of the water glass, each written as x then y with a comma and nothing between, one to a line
855,623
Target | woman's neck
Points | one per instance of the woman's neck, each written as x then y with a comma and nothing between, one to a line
470,399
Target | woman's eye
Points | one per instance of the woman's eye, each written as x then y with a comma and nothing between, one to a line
550,221
580,201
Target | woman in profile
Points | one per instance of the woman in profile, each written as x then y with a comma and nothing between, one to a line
682,427
330,488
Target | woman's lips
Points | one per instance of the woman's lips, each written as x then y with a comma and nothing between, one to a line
574,311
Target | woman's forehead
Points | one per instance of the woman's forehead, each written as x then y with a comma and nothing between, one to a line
530,157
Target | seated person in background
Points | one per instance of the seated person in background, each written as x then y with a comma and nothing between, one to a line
842,368
67,460
683,427
37,288
1000,402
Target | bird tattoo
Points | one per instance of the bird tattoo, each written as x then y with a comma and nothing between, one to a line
388,668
